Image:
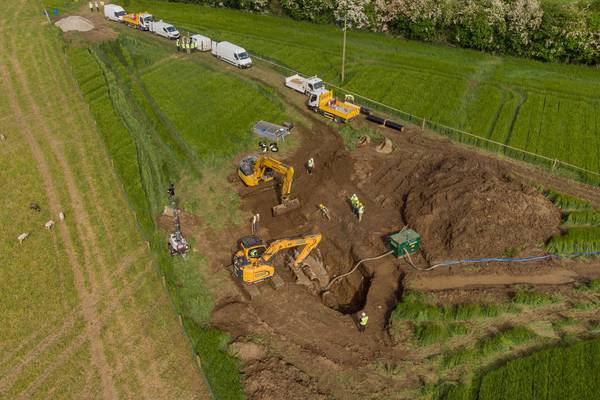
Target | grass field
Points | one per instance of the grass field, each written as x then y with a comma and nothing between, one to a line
565,372
581,225
546,109
84,314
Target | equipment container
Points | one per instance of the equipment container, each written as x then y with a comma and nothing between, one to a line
405,240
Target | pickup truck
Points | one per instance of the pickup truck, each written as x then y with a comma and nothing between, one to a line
307,86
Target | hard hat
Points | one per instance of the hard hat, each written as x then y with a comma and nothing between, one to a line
363,314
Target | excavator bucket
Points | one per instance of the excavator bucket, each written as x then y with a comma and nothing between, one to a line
286,207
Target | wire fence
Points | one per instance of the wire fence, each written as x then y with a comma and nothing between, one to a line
554,165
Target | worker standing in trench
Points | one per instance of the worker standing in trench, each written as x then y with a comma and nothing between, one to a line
362,321
310,165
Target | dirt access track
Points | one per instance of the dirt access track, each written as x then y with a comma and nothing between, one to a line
464,203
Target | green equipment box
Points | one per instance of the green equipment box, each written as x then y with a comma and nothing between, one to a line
404,241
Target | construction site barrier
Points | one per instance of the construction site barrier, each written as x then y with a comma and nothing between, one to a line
553,165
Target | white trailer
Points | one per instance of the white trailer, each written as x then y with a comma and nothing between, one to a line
232,54
202,43
114,12
307,86
164,29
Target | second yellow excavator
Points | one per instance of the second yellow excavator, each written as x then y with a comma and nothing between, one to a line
256,169
253,261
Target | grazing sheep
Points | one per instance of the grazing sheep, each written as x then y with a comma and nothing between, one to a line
2,137
49,224
61,216
35,207
23,236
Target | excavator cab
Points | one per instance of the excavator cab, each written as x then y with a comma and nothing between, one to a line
246,261
253,246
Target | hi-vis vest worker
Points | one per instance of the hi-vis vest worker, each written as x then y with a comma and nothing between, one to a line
362,322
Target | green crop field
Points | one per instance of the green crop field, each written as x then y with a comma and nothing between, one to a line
84,313
546,109
564,372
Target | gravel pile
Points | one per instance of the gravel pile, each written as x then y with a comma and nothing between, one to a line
75,23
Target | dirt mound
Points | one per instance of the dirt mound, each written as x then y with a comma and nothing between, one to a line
75,23
274,378
466,209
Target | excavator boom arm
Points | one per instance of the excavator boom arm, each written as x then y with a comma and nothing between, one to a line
279,167
309,242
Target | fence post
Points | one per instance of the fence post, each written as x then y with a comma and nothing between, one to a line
554,164
423,125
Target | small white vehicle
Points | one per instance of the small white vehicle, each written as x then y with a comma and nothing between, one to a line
232,54
307,86
114,12
202,43
164,29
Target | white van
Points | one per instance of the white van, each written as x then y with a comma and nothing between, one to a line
202,42
114,12
232,54
164,29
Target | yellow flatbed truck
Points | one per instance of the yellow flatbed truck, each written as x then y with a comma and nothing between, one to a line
138,20
328,105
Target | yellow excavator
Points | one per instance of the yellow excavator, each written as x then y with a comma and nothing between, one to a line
256,169
253,261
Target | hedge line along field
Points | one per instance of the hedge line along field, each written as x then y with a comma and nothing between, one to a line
84,314
561,373
547,109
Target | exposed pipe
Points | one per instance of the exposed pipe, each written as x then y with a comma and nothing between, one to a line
337,278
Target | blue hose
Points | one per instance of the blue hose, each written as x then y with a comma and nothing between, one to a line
516,260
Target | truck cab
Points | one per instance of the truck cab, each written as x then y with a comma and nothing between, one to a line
145,20
315,85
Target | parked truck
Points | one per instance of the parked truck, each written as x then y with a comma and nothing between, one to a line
114,12
327,104
139,20
307,86
164,29
231,53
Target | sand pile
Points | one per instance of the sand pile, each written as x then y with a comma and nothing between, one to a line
75,23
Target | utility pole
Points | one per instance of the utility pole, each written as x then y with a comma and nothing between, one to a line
344,51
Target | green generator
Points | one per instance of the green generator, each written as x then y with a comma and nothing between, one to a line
404,241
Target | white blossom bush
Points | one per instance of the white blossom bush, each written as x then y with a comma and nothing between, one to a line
353,11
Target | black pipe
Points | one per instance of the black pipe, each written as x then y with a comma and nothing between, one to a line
376,119
394,125
365,110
